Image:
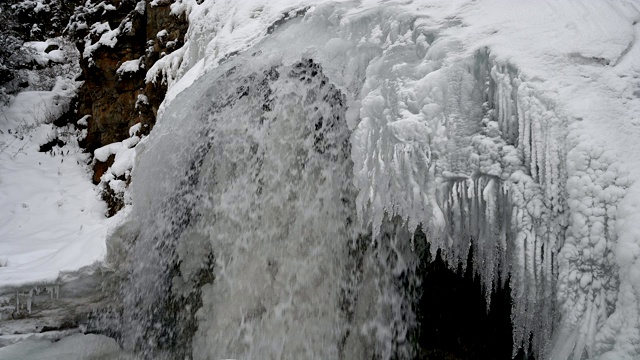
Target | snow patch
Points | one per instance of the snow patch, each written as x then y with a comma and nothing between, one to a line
130,66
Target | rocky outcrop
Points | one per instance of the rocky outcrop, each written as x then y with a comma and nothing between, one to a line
23,21
119,40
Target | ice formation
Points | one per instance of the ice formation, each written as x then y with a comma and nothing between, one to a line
302,145
74,347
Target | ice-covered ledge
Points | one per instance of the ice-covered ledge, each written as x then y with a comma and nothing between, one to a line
51,310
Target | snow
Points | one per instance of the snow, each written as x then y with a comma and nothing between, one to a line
103,153
162,34
38,46
56,56
100,28
108,38
118,174
123,162
31,108
40,7
130,66
52,218
135,129
83,121
141,7
43,58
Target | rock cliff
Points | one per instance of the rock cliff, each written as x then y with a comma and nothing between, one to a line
119,40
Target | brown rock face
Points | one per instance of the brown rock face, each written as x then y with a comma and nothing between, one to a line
101,167
118,100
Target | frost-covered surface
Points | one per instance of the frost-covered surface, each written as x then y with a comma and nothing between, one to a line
553,165
76,347
52,216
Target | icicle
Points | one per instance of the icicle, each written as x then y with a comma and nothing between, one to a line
29,299
526,143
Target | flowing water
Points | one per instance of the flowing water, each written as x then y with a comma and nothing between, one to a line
276,201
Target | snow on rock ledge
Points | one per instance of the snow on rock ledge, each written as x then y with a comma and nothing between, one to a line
119,159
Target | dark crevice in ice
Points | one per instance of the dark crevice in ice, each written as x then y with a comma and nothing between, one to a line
452,312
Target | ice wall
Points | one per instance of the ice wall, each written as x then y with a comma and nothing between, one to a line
539,208
533,196
276,201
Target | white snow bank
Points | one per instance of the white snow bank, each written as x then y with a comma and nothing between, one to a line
31,108
56,56
135,129
219,29
84,121
123,162
39,46
103,153
52,218
10,339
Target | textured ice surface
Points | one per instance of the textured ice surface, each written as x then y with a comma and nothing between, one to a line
494,126
75,347
504,127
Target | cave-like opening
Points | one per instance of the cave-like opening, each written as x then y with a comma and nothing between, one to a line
455,323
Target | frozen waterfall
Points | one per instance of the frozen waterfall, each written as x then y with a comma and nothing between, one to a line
277,201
